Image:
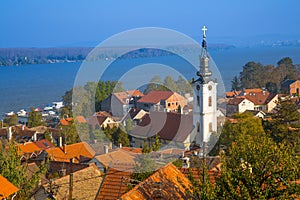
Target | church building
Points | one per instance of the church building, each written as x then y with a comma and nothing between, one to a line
205,98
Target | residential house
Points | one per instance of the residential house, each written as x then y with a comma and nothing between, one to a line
85,185
101,120
162,101
173,129
7,189
29,150
3,133
122,159
165,183
23,134
119,103
291,87
238,105
80,152
262,100
257,113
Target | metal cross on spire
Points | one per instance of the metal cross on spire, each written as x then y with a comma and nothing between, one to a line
204,29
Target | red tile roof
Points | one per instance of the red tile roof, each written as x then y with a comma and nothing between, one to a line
85,184
64,122
120,159
28,147
169,126
122,96
156,96
80,119
103,113
258,98
44,144
235,101
135,93
6,188
79,152
166,183
114,185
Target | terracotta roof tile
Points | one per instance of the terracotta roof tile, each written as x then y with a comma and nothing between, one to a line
114,185
235,101
156,96
44,144
6,188
80,119
80,152
85,184
122,96
121,159
29,147
166,183
64,122
258,98
168,126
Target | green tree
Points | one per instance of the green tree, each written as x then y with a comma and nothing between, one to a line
254,166
236,84
129,125
156,145
120,136
11,120
170,84
201,188
251,76
284,126
16,172
70,134
246,124
144,168
35,118
272,87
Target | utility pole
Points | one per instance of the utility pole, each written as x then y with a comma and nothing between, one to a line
71,181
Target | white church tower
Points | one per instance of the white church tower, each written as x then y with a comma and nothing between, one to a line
205,99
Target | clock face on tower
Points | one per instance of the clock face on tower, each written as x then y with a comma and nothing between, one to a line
209,87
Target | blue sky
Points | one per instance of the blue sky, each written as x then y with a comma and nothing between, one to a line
55,23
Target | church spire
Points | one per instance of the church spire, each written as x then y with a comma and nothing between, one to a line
204,59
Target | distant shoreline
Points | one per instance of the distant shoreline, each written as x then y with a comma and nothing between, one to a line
27,56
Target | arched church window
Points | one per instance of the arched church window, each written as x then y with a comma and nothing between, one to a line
210,127
198,100
209,101
198,127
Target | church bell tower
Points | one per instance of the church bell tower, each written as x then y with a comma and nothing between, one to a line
205,98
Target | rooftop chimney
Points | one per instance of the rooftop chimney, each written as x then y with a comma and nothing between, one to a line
60,141
65,148
9,134
105,149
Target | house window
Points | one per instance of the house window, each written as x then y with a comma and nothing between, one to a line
209,101
169,104
210,127
176,103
